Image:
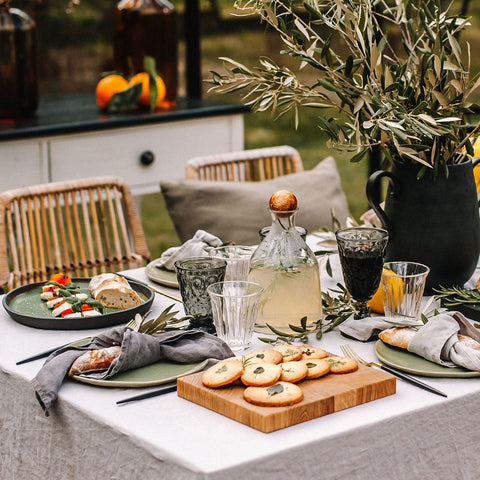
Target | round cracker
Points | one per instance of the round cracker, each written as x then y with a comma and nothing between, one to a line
261,374
342,364
268,355
280,394
222,373
290,353
317,367
312,352
293,371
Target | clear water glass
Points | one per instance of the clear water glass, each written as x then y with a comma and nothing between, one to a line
237,258
403,284
234,308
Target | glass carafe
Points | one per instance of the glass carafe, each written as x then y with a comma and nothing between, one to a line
147,28
287,269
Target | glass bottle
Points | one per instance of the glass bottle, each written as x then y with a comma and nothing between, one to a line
147,28
18,63
287,269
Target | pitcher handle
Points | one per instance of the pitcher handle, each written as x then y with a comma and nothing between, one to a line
372,188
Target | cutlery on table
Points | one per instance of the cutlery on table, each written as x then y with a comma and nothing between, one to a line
349,352
46,353
77,343
166,294
154,393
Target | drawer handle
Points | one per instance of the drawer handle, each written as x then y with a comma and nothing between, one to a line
147,158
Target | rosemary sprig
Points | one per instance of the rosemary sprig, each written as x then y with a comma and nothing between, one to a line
454,296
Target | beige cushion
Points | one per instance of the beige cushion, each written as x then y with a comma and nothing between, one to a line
236,211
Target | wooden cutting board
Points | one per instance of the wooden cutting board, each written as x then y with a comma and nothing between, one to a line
321,396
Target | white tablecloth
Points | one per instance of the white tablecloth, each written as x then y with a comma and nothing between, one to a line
412,434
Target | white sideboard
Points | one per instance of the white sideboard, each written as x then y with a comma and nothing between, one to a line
69,138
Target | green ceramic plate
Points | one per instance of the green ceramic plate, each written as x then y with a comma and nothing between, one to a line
25,306
411,363
148,376
160,275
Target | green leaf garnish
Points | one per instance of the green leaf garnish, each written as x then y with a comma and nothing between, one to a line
275,389
125,100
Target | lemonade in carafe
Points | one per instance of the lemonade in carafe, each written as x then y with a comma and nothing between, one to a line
287,269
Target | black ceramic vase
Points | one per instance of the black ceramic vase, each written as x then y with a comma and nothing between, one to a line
431,221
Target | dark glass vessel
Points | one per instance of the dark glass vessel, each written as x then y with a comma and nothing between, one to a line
147,28
18,63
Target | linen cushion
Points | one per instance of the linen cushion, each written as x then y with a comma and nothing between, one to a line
235,211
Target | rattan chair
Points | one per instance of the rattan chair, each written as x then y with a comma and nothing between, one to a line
79,227
247,165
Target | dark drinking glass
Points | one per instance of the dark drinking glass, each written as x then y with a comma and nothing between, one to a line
361,253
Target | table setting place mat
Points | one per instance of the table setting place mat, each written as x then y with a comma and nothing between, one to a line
435,343
136,350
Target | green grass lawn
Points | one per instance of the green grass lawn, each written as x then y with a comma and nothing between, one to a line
261,131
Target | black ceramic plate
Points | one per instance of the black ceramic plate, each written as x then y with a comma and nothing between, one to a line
25,306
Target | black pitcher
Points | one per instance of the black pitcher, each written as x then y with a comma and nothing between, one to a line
434,221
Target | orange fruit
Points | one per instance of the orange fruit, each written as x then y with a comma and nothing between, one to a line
476,147
107,87
144,79
376,302
476,175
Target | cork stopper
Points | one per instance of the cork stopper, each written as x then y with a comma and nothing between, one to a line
283,201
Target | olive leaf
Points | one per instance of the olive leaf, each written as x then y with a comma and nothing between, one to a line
388,75
166,321
455,296
125,100
150,67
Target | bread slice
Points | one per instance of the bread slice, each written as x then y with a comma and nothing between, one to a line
113,291
97,281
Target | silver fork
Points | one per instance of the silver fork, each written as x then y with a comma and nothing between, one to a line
134,323
349,352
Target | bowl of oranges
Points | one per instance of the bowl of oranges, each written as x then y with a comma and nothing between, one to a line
144,90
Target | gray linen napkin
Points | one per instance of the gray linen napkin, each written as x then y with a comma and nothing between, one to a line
363,329
436,341
137,350
195,247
